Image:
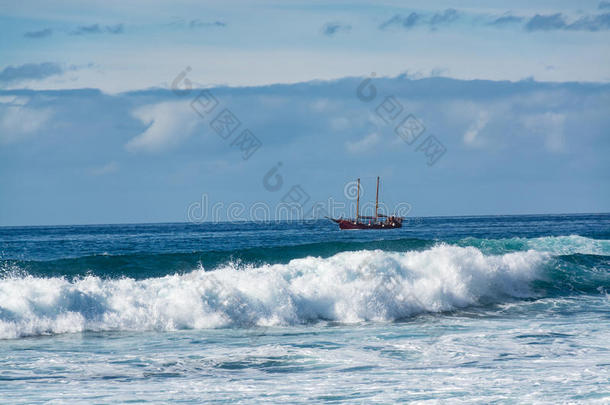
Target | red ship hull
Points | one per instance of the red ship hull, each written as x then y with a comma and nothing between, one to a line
351,224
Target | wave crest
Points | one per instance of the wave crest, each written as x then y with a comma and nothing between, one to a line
347,287
556,245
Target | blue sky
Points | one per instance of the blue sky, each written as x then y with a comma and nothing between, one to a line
91,131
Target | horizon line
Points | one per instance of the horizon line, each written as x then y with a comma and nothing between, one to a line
294,220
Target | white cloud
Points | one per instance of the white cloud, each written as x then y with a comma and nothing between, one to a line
473,130
550,126
108,168
320,105
18,122
339,123
363,144
169,123
14,100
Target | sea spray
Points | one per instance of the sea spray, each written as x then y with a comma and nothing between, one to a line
348,287
557,245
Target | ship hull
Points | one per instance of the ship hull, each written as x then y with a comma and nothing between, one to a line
351,224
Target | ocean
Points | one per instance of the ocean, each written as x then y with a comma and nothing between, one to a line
497,309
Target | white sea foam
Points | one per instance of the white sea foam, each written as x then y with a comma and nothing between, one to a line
555,245
348,287
567,245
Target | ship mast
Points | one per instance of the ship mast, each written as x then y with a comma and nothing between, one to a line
358,202
377,199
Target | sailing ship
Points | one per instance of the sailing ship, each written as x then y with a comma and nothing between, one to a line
379,221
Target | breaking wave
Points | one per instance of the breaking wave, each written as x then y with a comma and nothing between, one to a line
557,245
349,287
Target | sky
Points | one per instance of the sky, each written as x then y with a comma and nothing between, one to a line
151,111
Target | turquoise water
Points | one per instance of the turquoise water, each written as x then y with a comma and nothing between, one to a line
468,309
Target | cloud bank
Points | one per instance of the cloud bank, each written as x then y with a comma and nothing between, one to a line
332,28
558,21
98,29
47,32
30,71
496,134
537,22
413,19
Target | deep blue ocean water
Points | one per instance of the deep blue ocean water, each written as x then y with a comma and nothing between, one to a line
496,309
